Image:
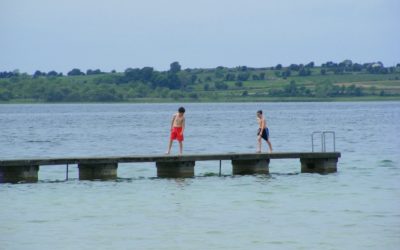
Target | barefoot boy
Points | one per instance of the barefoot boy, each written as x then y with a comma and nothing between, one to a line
263,131
177,128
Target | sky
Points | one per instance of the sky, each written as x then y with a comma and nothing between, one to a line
117,34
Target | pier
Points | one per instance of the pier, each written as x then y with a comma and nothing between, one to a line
168,166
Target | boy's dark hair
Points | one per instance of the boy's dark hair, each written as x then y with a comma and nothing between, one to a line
259,112
181,110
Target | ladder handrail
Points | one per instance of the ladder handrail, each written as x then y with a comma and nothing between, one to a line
312,139
323,139
334,139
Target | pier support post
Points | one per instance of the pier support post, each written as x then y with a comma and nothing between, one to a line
321,166
97,171
15,174
177,169
256,166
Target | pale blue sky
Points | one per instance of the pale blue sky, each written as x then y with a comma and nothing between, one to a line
89,34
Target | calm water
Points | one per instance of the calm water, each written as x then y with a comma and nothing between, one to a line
356,208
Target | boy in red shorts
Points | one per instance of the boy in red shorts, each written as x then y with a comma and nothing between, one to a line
177,128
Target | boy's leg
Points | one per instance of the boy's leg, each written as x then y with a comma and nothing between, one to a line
169,147
180,147
259,144
269,145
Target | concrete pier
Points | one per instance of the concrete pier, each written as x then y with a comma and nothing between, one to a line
170,166
255,166
321,166
93,171
177,169
15,174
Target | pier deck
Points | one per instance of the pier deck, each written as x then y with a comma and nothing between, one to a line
14,170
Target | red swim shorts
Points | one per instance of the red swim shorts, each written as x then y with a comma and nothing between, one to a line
176,134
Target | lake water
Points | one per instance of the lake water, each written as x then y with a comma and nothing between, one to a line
356,208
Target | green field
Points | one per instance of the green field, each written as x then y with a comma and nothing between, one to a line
240,84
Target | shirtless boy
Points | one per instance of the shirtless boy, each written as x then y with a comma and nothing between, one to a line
263,131
177,128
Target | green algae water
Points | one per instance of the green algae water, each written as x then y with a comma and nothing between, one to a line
356,208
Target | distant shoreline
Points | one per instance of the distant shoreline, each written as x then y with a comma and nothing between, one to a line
330,82
230,100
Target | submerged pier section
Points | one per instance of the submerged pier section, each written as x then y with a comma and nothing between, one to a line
168,166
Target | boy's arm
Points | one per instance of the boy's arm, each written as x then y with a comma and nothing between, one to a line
261,123
262,126
172,122
183,125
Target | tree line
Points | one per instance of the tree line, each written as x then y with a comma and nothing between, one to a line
321,89
146,73
176,83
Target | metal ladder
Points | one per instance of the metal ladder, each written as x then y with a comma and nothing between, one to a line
323,141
